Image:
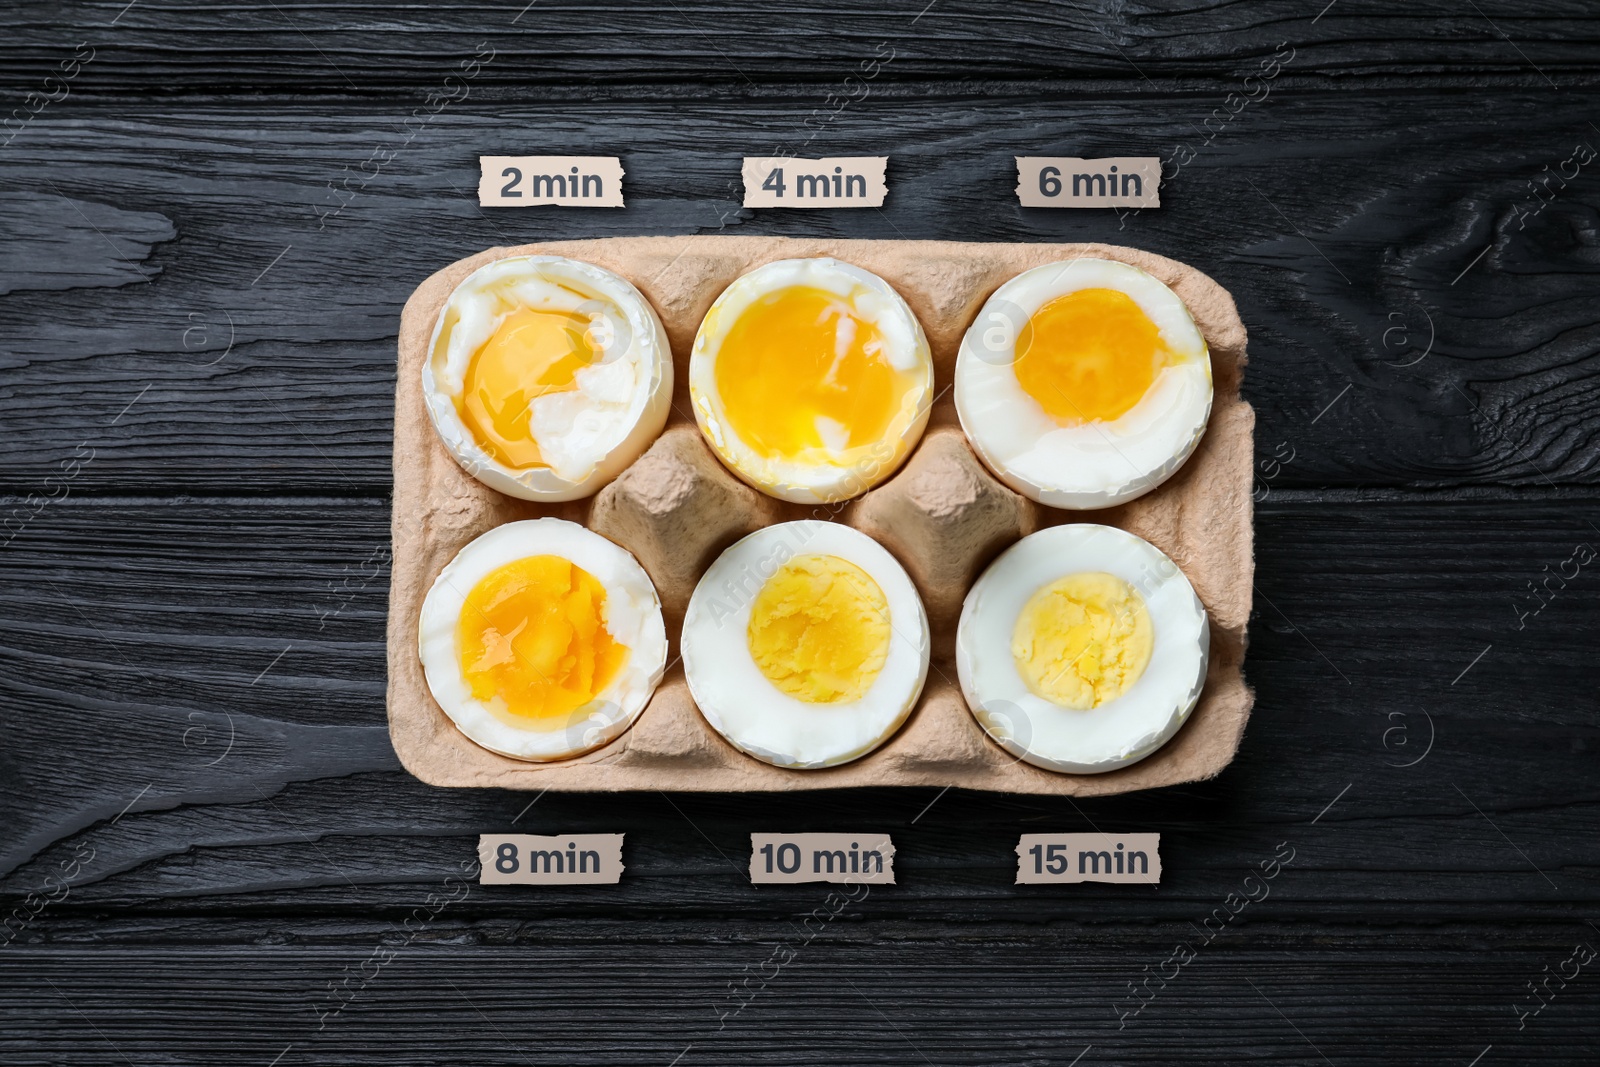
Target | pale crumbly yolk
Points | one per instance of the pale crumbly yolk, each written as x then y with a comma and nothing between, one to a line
819,630
532,639
1083,640
799,370
530,353
1089,356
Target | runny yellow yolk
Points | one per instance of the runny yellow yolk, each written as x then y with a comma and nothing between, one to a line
1089,356
532,639
819,630
799,370
1083,640
530,354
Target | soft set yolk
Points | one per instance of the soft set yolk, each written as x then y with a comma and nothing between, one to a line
819,630
1089,356
798,370
1083,640
532,639
530,354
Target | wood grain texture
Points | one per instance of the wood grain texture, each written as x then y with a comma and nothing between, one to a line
178,622
199,291
1036,999
367,47
1410,286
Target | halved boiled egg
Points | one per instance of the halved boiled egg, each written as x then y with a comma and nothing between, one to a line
805,644
1082,648
542,640
811,379
547,376
1083,384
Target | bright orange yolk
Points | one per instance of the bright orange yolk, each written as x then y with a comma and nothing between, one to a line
799,370
532,639
530,354
1089,356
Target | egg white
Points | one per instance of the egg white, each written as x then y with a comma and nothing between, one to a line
1121,731
632,615
739,701
587,435
1098,464
835,472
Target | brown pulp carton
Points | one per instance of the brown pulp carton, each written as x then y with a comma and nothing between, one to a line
942,515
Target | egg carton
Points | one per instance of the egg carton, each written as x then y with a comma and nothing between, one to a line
943,515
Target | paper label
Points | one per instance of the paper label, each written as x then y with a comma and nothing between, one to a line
840,181
1088,858
1066,181
857,858
567,181
567,859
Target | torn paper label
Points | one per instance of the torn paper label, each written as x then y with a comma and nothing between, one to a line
851,858
1067,181
566,181
564,859
1088,858
840,181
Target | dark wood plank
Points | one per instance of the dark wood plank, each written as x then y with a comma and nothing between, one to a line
194,451
1413,322
364,47
1037,999
142,635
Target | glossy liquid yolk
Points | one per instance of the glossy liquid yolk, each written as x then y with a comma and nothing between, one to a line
532,639
1089,356
819,630
530,354
1083,640
798,370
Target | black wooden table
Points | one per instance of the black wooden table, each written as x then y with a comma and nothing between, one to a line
210,855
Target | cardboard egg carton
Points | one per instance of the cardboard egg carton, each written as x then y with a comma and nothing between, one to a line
942,515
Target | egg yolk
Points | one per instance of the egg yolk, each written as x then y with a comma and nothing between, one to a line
530,353
532,639
819,630
1089,356
1083,640
799,370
